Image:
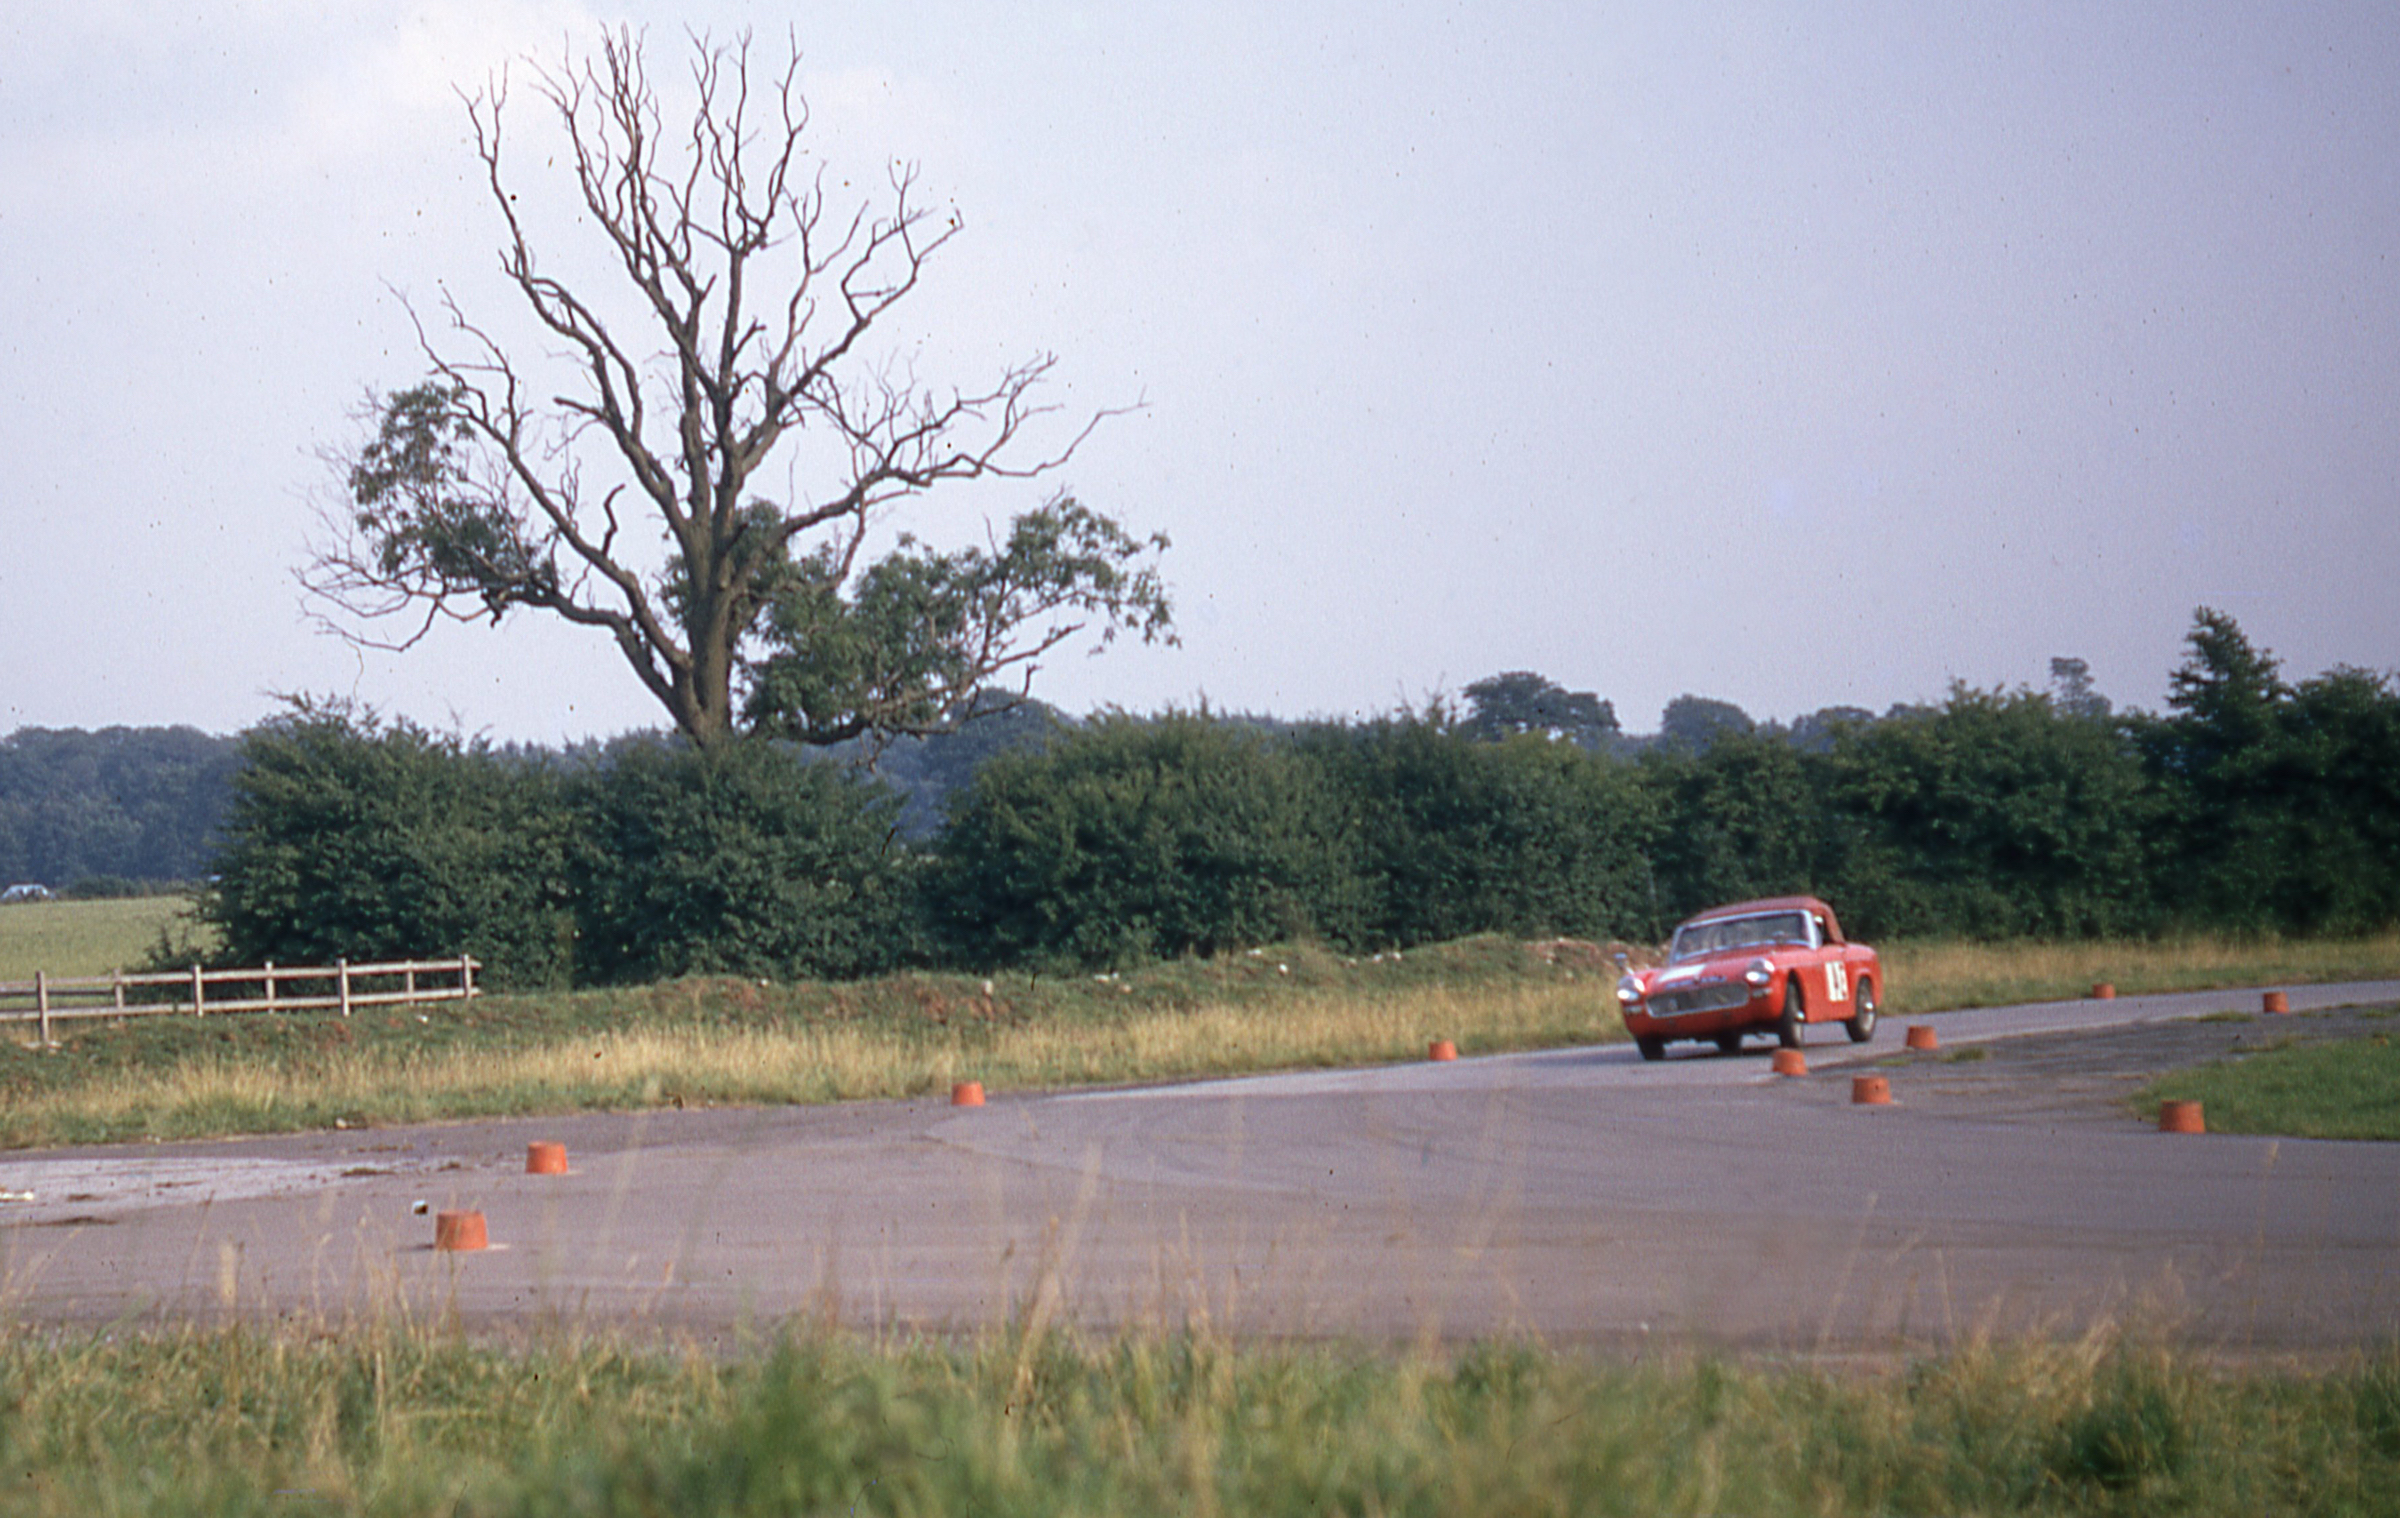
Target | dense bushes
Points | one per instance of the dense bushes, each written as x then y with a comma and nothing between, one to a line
1738,818
2339,864
1186,834
1992,815
748,861
2283,803
350,837
1448,837
2250,805
1131,839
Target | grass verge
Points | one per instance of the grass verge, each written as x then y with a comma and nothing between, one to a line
2331,1089
1937,975
401,1419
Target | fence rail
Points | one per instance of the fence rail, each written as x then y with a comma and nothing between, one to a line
272,988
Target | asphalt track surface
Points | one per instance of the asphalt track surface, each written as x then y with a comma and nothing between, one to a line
1578,1195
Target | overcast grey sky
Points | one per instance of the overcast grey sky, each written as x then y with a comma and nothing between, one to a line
1792,355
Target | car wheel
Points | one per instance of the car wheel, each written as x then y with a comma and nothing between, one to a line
1862,1022
1795,1017
1730,1043
1652,1048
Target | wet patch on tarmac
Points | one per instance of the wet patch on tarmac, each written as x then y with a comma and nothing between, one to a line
83,1187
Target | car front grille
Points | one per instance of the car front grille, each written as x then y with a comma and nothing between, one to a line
1698,999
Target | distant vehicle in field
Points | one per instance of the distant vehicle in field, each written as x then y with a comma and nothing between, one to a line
1770,966
26,892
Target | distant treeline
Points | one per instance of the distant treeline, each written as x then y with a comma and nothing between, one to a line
2251,805
105,812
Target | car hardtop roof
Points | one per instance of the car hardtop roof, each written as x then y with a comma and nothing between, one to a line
1833,926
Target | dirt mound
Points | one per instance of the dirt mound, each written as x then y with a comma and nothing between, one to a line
1583,954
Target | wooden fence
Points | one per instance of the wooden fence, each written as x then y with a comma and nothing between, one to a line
206,993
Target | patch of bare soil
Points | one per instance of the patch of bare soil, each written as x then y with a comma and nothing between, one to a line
2080,1079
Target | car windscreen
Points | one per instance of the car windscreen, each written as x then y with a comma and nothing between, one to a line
1694,940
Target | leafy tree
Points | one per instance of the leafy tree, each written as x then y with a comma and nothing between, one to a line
1695,722
742,324
349,837
133,804
1502,706
1133,838
2225,695
2071,690
2285,812
908,646
2220,758
748,860
1816,732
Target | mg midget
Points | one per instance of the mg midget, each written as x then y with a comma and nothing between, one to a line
1767,967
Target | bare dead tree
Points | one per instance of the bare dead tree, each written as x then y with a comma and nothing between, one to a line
754,296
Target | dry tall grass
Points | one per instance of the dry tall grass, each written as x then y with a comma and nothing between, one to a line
1934,976
645,1066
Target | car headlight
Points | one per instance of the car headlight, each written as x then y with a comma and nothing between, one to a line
1629,990
1759,973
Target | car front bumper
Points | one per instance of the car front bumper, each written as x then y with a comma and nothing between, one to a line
1755,1010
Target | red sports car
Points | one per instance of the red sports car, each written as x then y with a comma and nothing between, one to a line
1771,966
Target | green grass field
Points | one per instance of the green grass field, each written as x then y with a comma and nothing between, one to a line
73,938
2332,1089
401,1419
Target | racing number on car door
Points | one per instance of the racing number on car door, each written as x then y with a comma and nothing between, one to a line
1837,980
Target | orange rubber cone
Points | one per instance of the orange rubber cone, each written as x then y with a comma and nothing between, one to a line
967,1094
2180,1117
1442,1049
462,1232
1790,1062
545,1158
2103,991
1870,1091
2278,1002
1923,1036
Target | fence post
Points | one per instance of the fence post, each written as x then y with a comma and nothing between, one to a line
199,1007
408,983
466,977
341,976
270,985
116,984
41,1002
